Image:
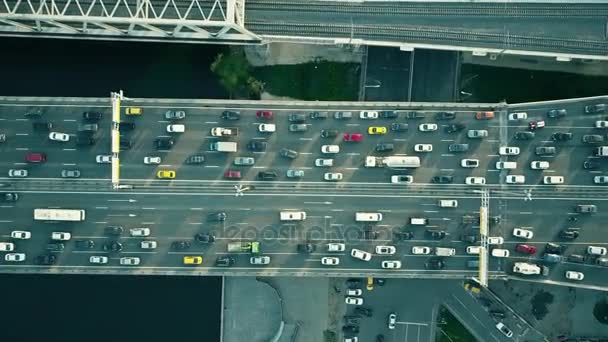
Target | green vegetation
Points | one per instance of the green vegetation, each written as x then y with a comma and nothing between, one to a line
235,74
449,329
600,311
539,302
329,336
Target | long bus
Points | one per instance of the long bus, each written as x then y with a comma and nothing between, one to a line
75,215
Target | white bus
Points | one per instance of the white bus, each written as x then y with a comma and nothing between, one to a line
59,215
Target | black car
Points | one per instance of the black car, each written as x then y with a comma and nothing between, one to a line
34,114
380,281
125,144
297,118
388,114
369,235
414,115
454,128
231,115
352,320
85,244
569,234
92,116
554,248
561,136
593,139
524,135
497,313
469,238
318,115
224,261
384,147
112,246
590,164
85,140
445,116
329,133
458,147
380,338
435,234
217,217
46,259
204,238
350,329
195,159
401,236
9,197
267,175
434,264
545,151
55,247
113,230
126,126
42,126
306,247
364,311
399,127
353,283
579,259
287,153
257,146
298,127
181,244
442,179
164,143
557,113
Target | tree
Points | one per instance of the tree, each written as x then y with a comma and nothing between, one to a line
233,71
600,311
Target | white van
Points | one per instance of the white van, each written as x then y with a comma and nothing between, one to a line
419,221
507,165
443,251
368,217
176,128
293,216
448,203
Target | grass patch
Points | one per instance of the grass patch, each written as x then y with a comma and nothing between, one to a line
449,329
324,81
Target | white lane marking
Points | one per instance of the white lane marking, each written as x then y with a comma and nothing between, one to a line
20,163
400,139
211,165
101,207
305,138
211,122
447,155
431,211
242,223
196,208
69,120
337,210
447,140
351,168
21,133
19,119
549,170
243,208
148,223
165,165
101,222
492,140
305,152
6,221
163,121
305,168
22,148
259,152
148,208
195,222
446,170
493,170
69,164
259,138
385,210
493,155
69,149
525,212
6,206
353,154
353,124
258,167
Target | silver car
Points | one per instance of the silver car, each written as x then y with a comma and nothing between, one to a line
260,260
295,173
70,173
244,161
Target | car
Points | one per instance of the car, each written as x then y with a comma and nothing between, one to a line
7,246
112,246
545,151
388,114
330,261
267,128
113,230
55,247
343,115
21,235
523,233
126,126
264,114
595,109
332,176
148,244
470,238
477,133
423,148
573,275
244,161
484,115
475,180
391,264
298,128
458,147
92,116
319,162
89,128
361,255
20,173
473,250
525,249
287,153
442,179
392,320
297,118
385,250
591,165
500,253
9,197
204,237
56,136
232,174
35,157
524,135
454,128
372,130
306,247
518,116
435,234
224,261
601,261
14,257
259,260
554,248
164,143
176,128
267,175
42,126
586,208
125,144
152,160
230,115
175,115
508,151
336,247
318,115
593,139
504,330
98,259
569,234
384,147
71,173
469,163
536,124
445,116
352,320
257,146
352,137
423,250
367,115
434,264
353,300
553,180
45,259
427,127
61,236
601,124
515,179
539,165
595,250
364,311
84,244
295,173
495,240
402,179
165,174
180,245
561,136
130,261
329,133
330,149
139,231
556,113
600,179
399,127
217,217
350,329
576,258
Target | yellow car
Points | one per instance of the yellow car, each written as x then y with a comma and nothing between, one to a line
134,111
376,130
193,260
165,174
370,283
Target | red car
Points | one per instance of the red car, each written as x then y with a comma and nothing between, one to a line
264,114
353,137
536,124
527,249
35,157
232,174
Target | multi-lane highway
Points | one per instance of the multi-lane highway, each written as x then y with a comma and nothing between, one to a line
177,209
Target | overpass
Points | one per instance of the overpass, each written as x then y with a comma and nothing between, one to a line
562,30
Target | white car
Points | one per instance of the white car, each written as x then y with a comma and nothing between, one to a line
392,320
176,128
21,234
354,292
473,250
600,179
98,259
508,151
518,116
140,231
572,275
332,176
15,257
469,162
366,115
402,179
523,233
17,173
423,148
319,162
500,253
421,250
539,165
516,179
330,149
427,127
336,247
130,261
353,300
260,260
56,136
601,124
504,330
61,236
495,240
148,244
267,128
361,255
477,133
391,264
475,180
595,250
330,261
152,160
7,246
553,180
351,339
385,250
103,159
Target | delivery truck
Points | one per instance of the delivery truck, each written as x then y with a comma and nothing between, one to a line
223,146
394,162
251,247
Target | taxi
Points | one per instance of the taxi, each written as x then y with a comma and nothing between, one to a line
193,260
165,174
134,111
376,130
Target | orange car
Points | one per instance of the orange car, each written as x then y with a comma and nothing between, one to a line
484,115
